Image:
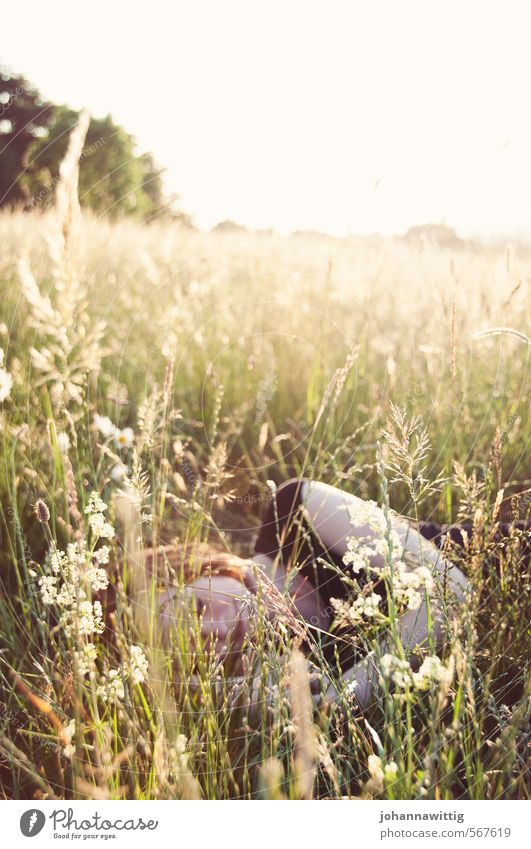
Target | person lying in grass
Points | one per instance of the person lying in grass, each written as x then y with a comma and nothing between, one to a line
345,566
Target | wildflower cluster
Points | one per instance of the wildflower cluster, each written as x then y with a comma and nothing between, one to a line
353,613
112,686
376,550
66,585
101,529
73,574
432,672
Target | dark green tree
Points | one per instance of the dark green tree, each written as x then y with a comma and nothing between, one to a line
24,118
113,179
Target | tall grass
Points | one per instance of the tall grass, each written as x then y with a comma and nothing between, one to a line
236,360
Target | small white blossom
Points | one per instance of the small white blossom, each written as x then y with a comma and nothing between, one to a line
367,605
89,619
85,659
396,670
367,514
118,472
72,573
178,762
101,555
112,689
138,664
96,504
363,606
57,560
97,578
76,554
124,438
432,671
100,528
105,426
6,383
63,442
67,597
48,585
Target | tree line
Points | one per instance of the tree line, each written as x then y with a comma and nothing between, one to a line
114,179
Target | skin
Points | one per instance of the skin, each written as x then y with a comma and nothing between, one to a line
222,606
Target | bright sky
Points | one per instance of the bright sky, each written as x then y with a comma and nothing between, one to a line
353,116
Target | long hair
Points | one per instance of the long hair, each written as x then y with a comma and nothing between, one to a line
194,560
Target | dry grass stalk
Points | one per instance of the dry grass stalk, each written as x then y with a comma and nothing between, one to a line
66,195
305,755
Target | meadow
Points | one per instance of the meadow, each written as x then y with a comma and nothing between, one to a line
175,374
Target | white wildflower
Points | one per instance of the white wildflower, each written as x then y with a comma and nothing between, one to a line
177,757
105,426
124,438
112,689
67,597
76,554
138,664
409,585
368,605
381,541
57,560
86,618
100,528
425,578
367,514
432,671
95,504
48,585
95,510
101,555
396,670
63,442
85,659
68,583
118,472
6,382
97,578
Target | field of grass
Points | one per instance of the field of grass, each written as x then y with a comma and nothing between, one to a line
225,361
